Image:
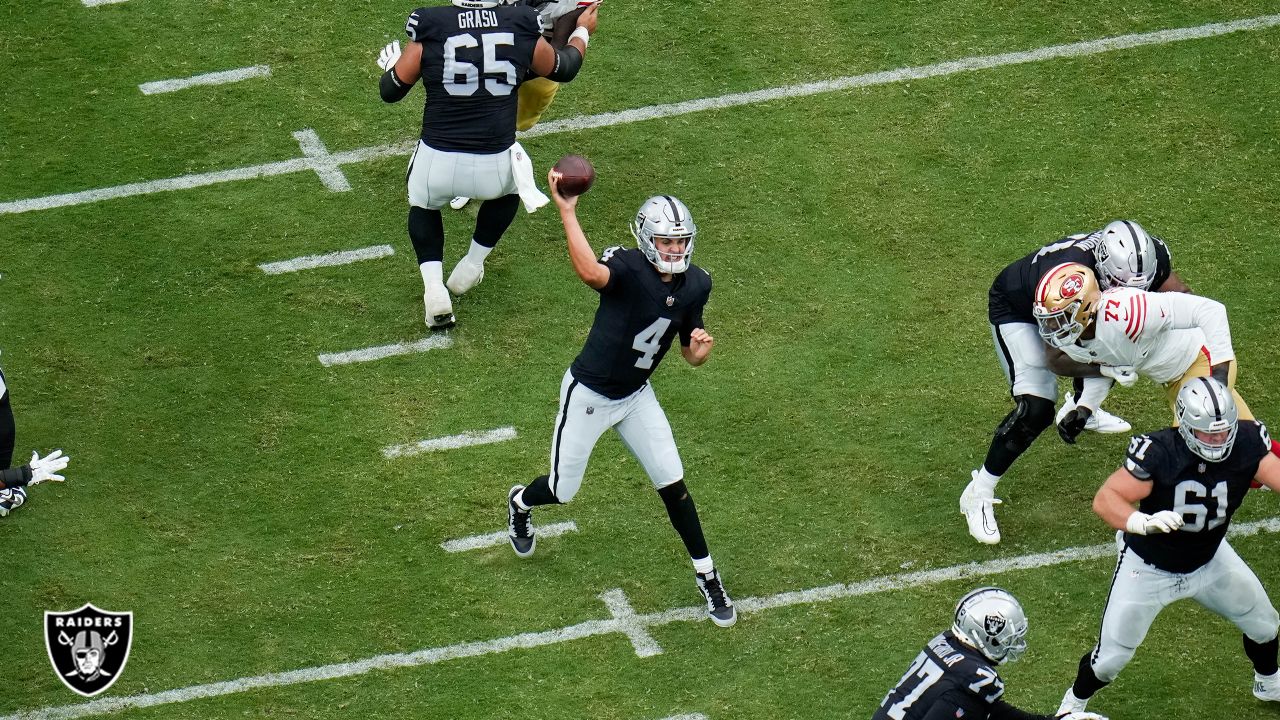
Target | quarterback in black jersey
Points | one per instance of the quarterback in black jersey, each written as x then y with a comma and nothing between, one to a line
1120,254
647,297
471,57
954,676
1187,481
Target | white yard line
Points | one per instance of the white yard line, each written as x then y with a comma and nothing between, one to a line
438,341
221,77
321,161
451,442
342,257
970,64
690,716
96,3
626,625
475,542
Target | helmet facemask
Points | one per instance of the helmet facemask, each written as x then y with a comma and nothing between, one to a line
992,620
1065,302
1207,406
1125,256
663,216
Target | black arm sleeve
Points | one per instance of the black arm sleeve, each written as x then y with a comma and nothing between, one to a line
15,477
391,88
568,62
1001,710
945,707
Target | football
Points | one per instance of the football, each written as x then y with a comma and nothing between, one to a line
576,175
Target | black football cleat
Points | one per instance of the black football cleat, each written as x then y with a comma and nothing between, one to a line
520,525
719,606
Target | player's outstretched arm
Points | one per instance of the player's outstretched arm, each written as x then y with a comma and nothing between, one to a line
562,65
699,347
593,273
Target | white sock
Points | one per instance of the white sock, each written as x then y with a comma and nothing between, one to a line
520,501
478,253
702,566
984,483
432,274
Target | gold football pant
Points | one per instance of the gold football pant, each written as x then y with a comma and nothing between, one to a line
535,97
1200,368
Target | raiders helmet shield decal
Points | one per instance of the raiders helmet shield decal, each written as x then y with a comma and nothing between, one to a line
88,647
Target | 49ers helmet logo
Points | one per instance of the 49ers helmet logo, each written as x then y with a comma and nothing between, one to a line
88,647
1072,285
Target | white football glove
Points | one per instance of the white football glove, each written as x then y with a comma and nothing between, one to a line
1082,716
389,55
1165,521
47,467
1123,374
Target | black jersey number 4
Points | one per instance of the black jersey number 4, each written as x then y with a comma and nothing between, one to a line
462,78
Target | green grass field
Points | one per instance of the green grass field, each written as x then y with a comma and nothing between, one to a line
232,492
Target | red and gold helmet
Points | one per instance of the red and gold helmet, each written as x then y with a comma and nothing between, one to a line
1065,302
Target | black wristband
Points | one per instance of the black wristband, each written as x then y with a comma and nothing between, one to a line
390,87
15,477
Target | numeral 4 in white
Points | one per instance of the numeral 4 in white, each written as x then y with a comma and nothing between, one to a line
649,341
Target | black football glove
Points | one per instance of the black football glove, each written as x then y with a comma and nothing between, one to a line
1073,424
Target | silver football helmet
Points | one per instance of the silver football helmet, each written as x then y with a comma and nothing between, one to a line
1207,405
663,216
992,620
1125,256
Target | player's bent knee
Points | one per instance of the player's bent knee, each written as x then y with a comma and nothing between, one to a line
1031,416
674,493
1261,626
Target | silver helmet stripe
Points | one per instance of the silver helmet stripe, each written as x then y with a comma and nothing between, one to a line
1137,244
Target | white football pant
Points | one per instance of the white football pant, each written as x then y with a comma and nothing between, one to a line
437,177
585,415
1225,585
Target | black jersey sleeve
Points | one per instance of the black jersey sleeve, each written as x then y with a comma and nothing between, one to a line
615,259
1164,263
1145,457
957,703
413,26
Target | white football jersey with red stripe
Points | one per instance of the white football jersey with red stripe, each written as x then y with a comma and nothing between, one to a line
1159,334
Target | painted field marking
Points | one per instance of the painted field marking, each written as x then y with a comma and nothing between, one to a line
342,257
616,601
475,542
952,67
321,161
96,3
690,716
590,628
222,77
451,442
431,342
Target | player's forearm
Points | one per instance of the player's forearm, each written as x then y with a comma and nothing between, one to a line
580,252
15,477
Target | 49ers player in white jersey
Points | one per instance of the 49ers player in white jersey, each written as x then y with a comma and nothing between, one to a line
1167,337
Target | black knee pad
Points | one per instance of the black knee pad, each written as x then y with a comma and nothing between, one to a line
1031,416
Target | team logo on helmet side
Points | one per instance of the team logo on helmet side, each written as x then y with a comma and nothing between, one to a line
1072,285
993,624
88,647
